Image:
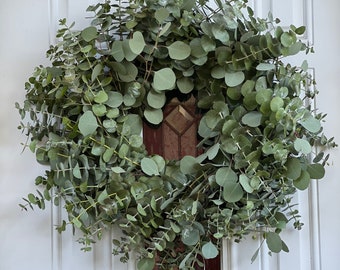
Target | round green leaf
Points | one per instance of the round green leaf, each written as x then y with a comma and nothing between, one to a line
261,83
255,182
213,151
232,192
188,5
293,168
76,222
316,171
89,33
158,246
224,175
131,24
190,236
101,97
229,145
108,154
96,71
164,79
209,250
112,113
249,101
274,242
175,227
234,93
196,48
133,125
110,125
203,130
234,78
159,161
129,100
276,103
117,50
282,92
76,172
302,146
229,126
141,210
303,181
154,116
212,118
293,49
164,29
156,100
84,66
146,264
87,123
206,28
185,85
252,119
179,50
208,44
188,165
280,114
123,150
161,14
311,124
99,109
218,72
300,30
115,99
86,49
136,141
137,42
117,169
247,87
245,183
199,61
287,39
220,33
149,166
128,53
263,95
130,72
265,66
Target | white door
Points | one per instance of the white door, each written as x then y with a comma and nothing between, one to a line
29,240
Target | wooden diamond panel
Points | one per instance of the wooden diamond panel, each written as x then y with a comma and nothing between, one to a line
177,135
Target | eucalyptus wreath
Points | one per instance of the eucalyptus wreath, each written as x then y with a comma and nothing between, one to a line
83,117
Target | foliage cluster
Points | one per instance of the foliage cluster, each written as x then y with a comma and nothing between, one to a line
258,131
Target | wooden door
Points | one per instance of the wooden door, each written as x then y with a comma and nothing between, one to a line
177,136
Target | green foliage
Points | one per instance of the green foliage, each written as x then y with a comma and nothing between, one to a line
83,116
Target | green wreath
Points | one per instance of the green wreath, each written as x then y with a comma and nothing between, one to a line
257,132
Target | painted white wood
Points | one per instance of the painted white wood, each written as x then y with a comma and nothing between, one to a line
327,70
296,12
24,238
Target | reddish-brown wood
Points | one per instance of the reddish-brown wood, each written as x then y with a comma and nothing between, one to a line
175,138
177,135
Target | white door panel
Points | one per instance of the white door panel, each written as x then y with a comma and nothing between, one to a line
30,241
326,62
24,239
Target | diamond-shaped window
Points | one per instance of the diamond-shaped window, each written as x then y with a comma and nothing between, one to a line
179,119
